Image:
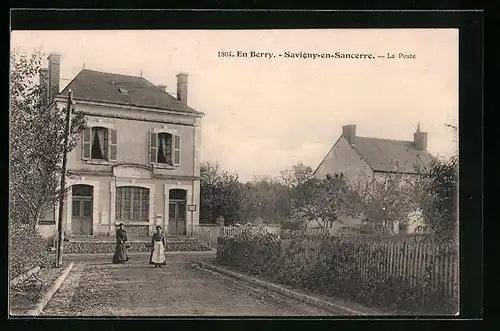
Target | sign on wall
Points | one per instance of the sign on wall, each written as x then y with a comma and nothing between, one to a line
123,171
191,207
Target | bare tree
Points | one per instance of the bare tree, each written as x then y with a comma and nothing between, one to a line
385,198
323,201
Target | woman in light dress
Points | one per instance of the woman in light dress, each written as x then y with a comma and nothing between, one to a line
157,257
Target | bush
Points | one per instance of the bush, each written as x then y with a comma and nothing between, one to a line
337,270
27,249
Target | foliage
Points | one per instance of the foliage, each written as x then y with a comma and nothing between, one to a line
36,147
385,198
27,249
220,193
298,174
337,270
251,251
265,199
440,201
36,142
322,200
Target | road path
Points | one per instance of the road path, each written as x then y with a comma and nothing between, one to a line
97,287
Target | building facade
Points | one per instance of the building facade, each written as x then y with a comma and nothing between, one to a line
138,160
366,158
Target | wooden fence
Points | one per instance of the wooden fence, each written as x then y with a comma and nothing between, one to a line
416,262
416,259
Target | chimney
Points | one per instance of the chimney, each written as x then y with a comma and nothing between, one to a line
163,87
420,139
44,81
54,75
182,87
349,133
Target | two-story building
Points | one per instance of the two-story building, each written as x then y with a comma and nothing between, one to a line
367,158
138,161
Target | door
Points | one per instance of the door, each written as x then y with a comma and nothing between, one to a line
82,216
81,220
177,217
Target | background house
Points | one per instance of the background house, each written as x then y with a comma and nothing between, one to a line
139,158
366,158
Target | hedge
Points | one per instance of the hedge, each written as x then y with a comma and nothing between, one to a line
27,249
341,268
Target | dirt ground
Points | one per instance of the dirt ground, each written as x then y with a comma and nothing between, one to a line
25,295
96,287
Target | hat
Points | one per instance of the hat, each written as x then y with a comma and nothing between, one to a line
121,224
158,227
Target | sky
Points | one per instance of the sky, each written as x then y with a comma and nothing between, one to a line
264,115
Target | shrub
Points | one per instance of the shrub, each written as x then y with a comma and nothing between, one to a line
27,249
342,267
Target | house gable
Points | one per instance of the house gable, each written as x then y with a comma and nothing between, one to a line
342,158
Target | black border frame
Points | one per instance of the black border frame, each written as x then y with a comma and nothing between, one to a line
470,25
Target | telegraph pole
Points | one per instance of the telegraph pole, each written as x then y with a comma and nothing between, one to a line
60,232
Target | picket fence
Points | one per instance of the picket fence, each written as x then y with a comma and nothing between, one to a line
415,262
413,258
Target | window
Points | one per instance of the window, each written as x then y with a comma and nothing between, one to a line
132,204
164,148
99,143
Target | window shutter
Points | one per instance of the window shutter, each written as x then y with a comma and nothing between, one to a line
177,150
86,143
152,147
112,145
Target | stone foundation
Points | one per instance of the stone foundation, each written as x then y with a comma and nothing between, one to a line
91,247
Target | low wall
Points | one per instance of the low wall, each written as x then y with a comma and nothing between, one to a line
88,247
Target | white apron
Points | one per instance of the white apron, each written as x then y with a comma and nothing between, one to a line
158,253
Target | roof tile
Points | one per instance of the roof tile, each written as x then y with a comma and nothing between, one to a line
121,89
384,154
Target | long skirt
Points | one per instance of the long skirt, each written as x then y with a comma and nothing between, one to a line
158,254
120,254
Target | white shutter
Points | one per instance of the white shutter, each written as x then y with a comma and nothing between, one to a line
113,139
177,150
153,143
86,143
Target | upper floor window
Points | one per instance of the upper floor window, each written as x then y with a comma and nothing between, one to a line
99,143
164,154
165,148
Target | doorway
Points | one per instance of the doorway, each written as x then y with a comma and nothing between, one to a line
177,212
81,220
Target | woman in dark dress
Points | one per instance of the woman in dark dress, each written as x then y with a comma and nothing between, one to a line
158,249
120,250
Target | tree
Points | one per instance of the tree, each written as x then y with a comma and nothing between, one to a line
385,198
36,142
440,202
322,200
295,176
267,199
220,193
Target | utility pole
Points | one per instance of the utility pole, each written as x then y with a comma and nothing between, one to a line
60,232
194,173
